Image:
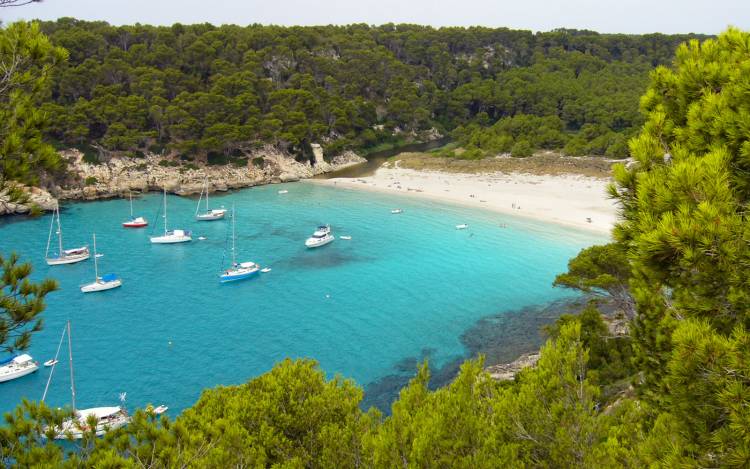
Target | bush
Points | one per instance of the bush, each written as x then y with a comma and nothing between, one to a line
137,154
90,181
191,166
168,163
239,162
90,154
217,159
521,149
259,162
157,148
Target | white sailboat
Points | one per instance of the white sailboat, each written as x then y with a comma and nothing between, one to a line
208,214
17,366
106,282
134,222
106,418
69,256
173,236
238,271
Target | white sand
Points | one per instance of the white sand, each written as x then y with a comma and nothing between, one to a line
566,199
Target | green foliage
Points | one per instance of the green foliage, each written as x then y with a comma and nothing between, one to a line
259,162
90,181
203,88
603,271
21,304
27,59
169,163
239,162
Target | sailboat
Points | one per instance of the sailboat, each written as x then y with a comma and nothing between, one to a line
107,418
69,256
173,236
237,271
208,214
107,282
134,222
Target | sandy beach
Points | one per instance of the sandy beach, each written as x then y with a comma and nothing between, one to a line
572,200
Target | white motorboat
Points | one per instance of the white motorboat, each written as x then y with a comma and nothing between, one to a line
321,237
104,418
396,211
133,221
171,236
159,410
17,366
64,256
265,270
106,282
346,237
208,214
462,226
238,271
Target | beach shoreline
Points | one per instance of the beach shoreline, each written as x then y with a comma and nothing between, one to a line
571,200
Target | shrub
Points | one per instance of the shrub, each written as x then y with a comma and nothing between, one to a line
168,163
259,162
239,162
90,181
522,148
215,159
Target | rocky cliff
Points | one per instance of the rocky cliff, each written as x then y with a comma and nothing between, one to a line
121,174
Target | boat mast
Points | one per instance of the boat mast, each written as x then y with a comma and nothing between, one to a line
49,237
234,257
206,194
165,211
72,380
131,204
59,232
96,263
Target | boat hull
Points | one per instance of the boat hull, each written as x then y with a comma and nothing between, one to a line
312,243
17,373
211,215
172,237
67,259
242,273
132,224
101,286
77,427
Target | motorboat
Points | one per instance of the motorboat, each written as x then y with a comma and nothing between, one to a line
238,271
171,236
265,270
208,214
462,226
64,256
17,366
106,282
321,237
396,211
133,221
51,362
346,237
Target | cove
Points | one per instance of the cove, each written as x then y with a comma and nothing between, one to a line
402,285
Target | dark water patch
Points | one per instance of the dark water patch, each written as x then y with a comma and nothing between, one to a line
333,258
501,338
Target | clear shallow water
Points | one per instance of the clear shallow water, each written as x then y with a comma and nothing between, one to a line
403,284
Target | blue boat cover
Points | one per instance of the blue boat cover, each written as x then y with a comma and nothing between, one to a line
109,277
8,360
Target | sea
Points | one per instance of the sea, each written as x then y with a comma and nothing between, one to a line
405,288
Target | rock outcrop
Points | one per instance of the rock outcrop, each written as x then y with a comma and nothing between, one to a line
508,371
121,174
37,198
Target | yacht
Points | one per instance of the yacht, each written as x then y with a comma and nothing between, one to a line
321,237
64,256
16,367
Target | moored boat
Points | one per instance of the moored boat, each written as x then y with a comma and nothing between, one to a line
106,282
238,271
133,221
208,214
320,237
171,236
64,256
16,367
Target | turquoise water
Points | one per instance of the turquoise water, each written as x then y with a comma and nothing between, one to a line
403,284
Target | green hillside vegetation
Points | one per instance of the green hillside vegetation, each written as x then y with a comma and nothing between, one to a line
202,89
674,392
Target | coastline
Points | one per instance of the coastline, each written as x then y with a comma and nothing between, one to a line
568,200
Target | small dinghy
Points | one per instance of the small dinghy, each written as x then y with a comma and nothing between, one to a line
160,410
283,191
396,210
346,237
462,226
265,270
202,238
98,256
50,362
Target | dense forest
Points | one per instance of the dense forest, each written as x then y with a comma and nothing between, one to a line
202,89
